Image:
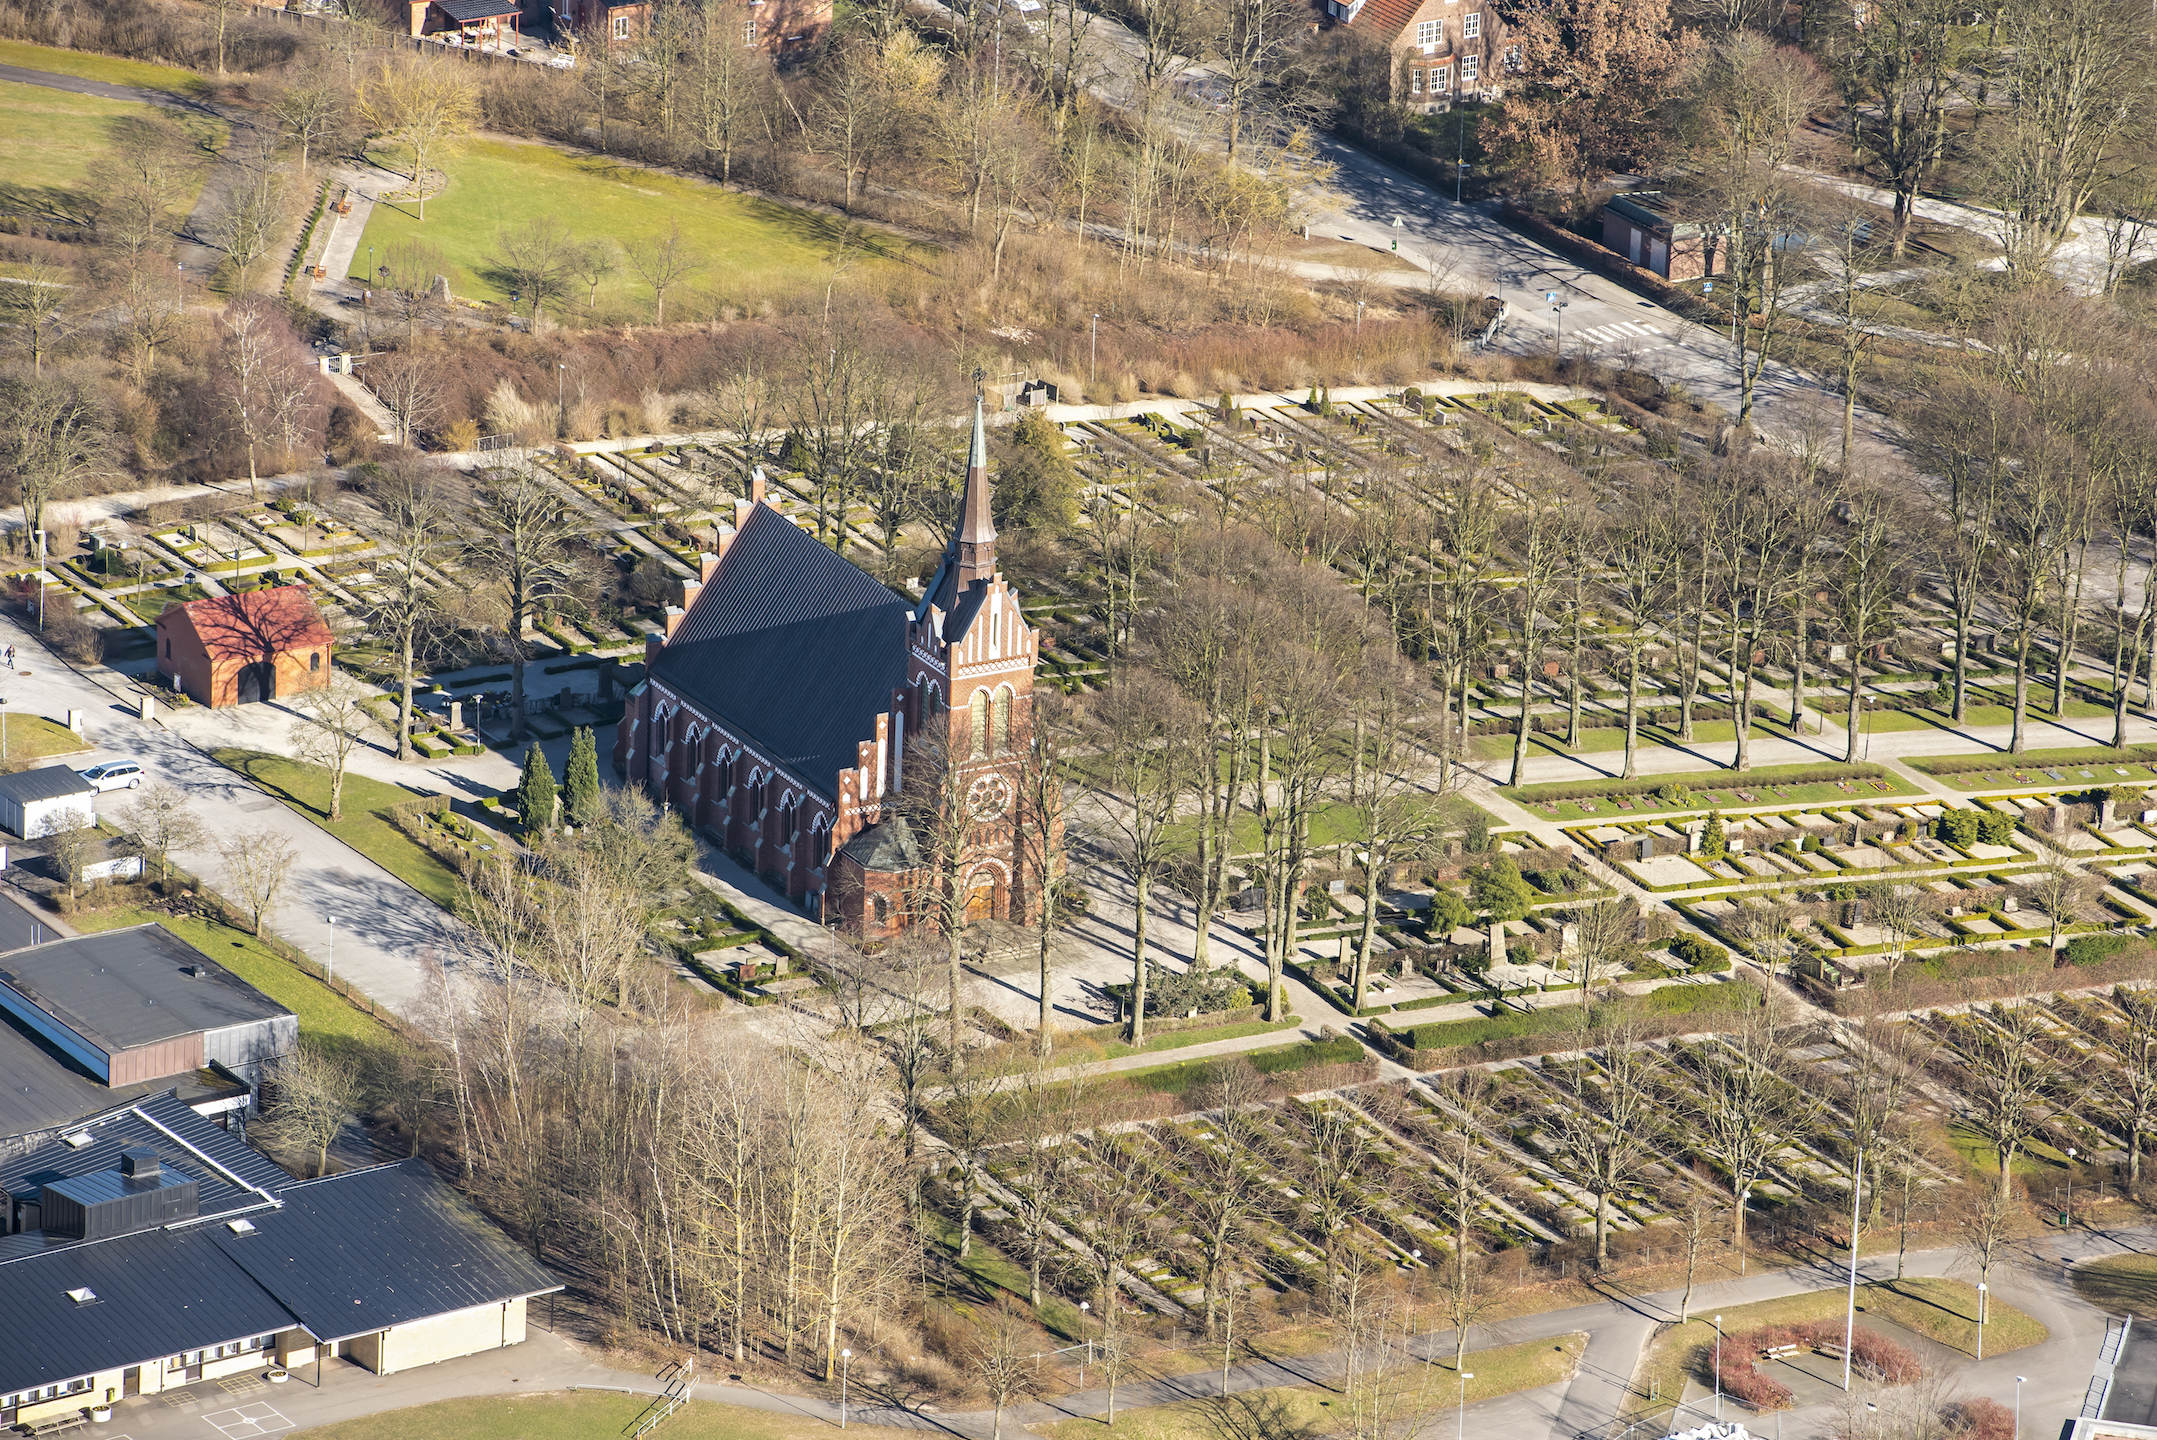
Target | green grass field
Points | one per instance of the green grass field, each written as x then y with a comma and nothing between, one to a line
1305,1412
51,143
2120,1283
108,68
33,737
1607,739
749,246
323,1013
1942,1310
556,1415
1711,790
2103,763
306,789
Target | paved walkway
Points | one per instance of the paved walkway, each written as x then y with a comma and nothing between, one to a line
1619,1329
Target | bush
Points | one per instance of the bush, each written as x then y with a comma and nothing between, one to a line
1497,889
1178,992
1448,913
1341,1051
1959,828
1981,1420
1995,827
2097,949
1714,843
67,632
1700,954
1750,779
1552,882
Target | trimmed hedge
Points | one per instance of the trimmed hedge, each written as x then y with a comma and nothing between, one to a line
1693,781
2034,760
1442,1044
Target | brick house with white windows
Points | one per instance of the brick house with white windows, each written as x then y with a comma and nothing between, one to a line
776,710
1445,52
777,26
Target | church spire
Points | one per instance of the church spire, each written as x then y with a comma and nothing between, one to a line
976,542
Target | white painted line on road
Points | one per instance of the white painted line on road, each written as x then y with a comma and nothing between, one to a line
248,1421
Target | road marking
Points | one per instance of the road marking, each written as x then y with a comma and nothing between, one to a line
249,1421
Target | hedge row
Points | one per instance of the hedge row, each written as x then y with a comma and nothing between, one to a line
2077,755
1694,781
1670,1010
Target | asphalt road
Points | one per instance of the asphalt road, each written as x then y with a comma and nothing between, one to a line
385,932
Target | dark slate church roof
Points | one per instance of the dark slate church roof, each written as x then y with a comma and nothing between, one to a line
792,648
887,845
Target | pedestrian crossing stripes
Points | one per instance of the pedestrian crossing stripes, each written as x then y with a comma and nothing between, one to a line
1622,330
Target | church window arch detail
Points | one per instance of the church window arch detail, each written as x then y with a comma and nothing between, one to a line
1000,720
979,722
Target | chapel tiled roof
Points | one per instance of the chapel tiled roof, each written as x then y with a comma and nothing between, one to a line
792,648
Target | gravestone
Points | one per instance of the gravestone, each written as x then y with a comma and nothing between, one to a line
2056,818
2010,905
1569,939
1497,942
456,716
2104,814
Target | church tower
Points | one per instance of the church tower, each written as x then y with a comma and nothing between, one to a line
971,658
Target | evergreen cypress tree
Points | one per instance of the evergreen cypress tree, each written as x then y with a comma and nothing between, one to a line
580,779
535,794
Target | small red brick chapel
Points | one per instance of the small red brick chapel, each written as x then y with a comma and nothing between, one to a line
776,714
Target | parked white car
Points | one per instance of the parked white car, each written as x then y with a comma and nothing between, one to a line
114,775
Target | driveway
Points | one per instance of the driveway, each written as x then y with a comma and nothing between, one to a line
385,932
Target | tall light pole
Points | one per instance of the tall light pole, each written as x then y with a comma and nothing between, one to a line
1718,1369
2019,1379
1558,308
1093,353
41,580
2067,1212
1085,1306
1849,1314
1461,1424
846,1361
561,400
329,966
1981,1309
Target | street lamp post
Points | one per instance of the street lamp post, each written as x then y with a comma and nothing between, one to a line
1084,1306
329,966
1982,1296
1461,1423
40,580
1558,308
2019,1380
846,1361
561,401
1849,1314
1093,353
2067,1211
1718,1369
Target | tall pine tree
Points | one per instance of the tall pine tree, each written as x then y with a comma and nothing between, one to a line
581,800
535,794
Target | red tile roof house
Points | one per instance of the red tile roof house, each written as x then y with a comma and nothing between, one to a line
1444,51
238,649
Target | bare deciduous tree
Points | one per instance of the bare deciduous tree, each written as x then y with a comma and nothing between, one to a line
257,864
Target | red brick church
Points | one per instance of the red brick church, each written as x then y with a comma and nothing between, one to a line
777,711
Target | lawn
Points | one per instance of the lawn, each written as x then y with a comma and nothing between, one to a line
748,245
1706,790
323,1014
306,789
2002,771
51,143
1288,1411
108,68
150,604
1942,1310
1271,1060
555,1415
2120,1283
33,737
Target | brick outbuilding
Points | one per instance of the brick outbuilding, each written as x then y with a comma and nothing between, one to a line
237,649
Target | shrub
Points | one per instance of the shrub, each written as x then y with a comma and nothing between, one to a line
1178,992
1959,828
1981,1420
1700,954
1498,890
2097,949
1714,844
1448,913
67,632
1675,796
1552,882
1995,827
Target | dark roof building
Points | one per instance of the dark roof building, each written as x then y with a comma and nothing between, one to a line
205,1261
142,1004
777,711
29,798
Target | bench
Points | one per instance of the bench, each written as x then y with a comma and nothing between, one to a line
58,1423
1780,1352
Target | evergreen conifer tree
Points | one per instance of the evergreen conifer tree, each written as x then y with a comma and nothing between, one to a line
535,794
580,779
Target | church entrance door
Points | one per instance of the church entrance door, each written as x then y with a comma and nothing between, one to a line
980,897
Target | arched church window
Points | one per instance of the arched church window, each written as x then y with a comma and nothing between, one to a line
1000,723
980,722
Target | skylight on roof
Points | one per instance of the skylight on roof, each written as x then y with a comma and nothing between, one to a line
83,1295
76,1139
240,1227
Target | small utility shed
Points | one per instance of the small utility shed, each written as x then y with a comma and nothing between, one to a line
1642,225
143,1004
29,799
